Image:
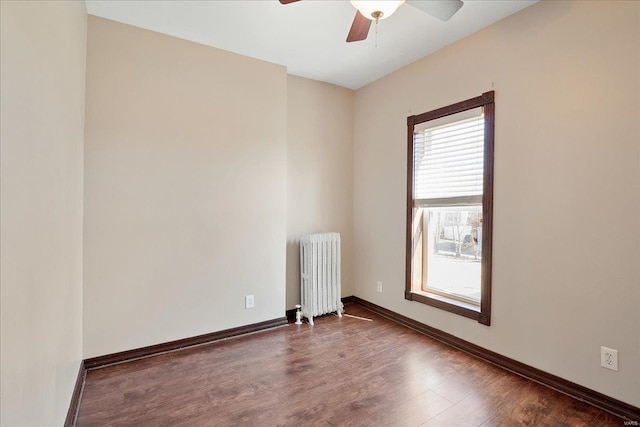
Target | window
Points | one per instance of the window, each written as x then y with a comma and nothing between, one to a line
450,207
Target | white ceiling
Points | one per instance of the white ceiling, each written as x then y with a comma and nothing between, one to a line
308,37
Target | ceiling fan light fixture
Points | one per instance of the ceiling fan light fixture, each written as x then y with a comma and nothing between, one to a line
377,9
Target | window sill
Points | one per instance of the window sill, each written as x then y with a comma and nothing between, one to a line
448,304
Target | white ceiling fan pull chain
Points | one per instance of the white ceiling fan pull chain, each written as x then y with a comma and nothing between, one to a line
377,32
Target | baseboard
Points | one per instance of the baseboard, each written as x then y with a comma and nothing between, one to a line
291,314
348,300
152,350
592,397
72,413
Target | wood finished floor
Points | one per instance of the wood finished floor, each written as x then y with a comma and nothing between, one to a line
341,372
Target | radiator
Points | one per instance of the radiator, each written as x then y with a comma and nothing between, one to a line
320,275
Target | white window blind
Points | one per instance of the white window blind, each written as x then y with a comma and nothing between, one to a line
448,162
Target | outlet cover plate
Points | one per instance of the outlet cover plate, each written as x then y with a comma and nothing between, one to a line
609,358
249,302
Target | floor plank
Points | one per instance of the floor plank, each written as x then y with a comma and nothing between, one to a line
341,372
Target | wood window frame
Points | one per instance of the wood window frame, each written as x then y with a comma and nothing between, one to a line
481,314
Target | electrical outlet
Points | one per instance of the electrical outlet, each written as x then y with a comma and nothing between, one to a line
249,301
609,358
379,286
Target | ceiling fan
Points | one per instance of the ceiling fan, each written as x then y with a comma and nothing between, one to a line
368,11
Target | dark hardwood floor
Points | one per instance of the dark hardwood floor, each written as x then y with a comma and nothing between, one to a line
341,372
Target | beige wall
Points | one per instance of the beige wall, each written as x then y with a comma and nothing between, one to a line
185,168
319,173
42,69
567,186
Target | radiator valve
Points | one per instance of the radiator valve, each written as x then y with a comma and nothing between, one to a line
298,314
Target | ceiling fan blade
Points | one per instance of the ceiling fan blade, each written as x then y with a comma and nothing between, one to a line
441,9
359,29
288,1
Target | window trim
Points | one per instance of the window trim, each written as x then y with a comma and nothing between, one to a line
483,313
